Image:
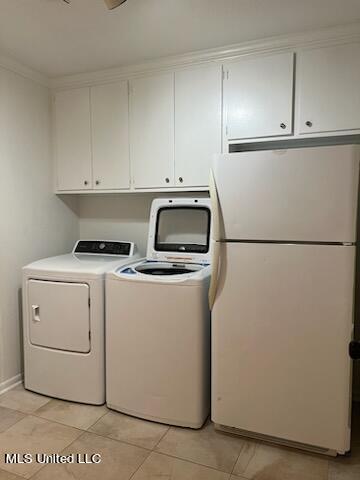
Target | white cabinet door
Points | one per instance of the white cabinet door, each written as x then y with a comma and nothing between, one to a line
110,136
328,83
197,123
152,131
258,97
73,139
59,315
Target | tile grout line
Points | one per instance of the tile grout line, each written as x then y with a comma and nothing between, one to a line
24,411
328,471
98,420
82,432
193,462
237,458
243,476
11,473
150,453
162,436
56,422
17,421
159,452
61,451
149,450
141,464
34,414
91,432
117,440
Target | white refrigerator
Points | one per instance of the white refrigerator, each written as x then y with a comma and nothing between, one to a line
282,294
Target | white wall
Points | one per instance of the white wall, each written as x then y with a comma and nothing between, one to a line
119,217
34,222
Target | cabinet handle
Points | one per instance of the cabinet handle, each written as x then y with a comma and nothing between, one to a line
283,126
97,182
167,180
85,182
181,179
308,123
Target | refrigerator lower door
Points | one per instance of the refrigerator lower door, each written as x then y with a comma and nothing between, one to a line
281,327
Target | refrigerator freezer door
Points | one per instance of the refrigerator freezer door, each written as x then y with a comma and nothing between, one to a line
307,194
281,327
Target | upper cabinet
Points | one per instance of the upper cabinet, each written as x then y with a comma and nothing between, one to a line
110,136
328,89
91,138
197,123
175,127
73,139
258,97
152,131
160,131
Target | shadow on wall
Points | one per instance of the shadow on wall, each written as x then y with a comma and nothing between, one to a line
121,216
71,201
21,330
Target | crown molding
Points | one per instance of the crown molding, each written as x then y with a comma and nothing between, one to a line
27,72
326,36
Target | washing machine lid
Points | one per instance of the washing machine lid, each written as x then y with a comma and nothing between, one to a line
179,230
166,269
150,271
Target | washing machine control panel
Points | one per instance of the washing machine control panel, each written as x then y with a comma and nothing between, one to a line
104,247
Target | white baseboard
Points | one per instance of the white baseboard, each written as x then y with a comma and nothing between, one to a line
10,383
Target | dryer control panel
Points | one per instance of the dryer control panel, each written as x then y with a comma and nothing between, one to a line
104,247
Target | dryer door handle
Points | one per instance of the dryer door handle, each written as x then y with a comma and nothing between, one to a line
35,313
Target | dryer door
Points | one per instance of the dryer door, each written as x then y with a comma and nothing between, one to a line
59,315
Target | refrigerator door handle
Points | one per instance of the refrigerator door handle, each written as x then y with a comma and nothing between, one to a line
215,234
215,269
215,210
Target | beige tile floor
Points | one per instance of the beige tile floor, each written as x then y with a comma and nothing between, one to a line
138,450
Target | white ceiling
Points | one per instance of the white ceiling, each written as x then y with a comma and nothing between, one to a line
58,39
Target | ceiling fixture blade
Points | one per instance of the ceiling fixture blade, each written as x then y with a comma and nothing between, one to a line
113,3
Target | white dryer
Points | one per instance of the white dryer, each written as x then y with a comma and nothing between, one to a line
64,320
158,320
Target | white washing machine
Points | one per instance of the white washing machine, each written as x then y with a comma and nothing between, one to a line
64,320
158,320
